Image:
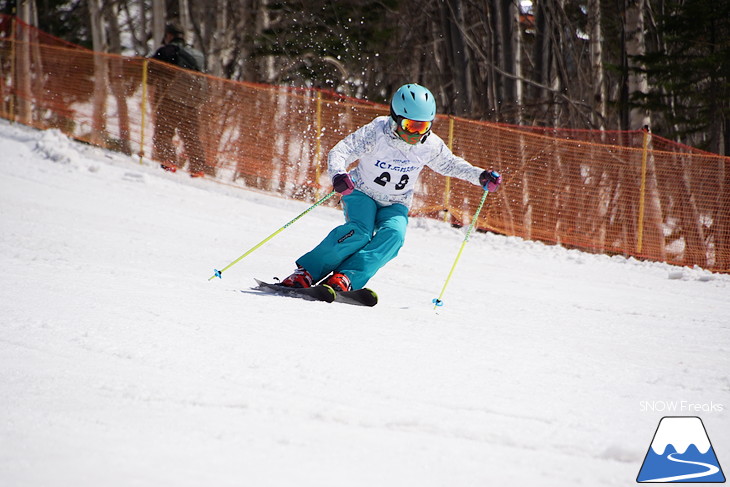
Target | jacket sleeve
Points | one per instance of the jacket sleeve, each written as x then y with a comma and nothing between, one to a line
351,148
448,164
167,54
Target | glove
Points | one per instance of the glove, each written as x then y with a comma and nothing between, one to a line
490,180
343,184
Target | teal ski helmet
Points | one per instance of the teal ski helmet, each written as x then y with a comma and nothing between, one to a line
414,102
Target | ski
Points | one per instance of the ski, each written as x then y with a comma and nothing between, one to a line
314,293
358,297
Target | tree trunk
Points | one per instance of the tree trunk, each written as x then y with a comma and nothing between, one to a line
118,79
557,52
638,82
516,64
159,18
457,58
221,47
509,38
599,113
542,55
28,14
184,15
101,74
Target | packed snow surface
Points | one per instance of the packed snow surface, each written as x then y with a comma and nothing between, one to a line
121,364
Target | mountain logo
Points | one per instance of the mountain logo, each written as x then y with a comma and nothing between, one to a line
680,452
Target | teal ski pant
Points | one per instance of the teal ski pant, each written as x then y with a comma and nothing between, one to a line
371,236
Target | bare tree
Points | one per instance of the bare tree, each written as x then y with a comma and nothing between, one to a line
638,83
28,13
541,57
599,113
101,71
514,65
508,36
456,56
117,76
159,19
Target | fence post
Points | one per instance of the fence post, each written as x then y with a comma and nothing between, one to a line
447,186
318,149
144,109
642,189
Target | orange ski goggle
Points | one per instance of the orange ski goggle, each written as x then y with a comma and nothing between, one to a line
414,126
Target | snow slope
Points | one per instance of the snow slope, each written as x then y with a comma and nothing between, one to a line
120,364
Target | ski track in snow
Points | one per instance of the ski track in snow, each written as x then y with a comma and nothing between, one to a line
121,364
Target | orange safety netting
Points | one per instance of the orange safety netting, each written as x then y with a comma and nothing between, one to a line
628,193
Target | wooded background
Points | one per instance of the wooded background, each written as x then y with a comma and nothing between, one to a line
632,193
594,64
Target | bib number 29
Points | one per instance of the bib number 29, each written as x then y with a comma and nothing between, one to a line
384,179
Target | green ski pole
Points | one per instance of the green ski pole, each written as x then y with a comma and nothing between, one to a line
218,273
437,301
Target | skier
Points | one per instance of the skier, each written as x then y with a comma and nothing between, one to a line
177,100
377,192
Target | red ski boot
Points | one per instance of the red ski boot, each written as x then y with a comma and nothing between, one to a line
299,278
339,282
